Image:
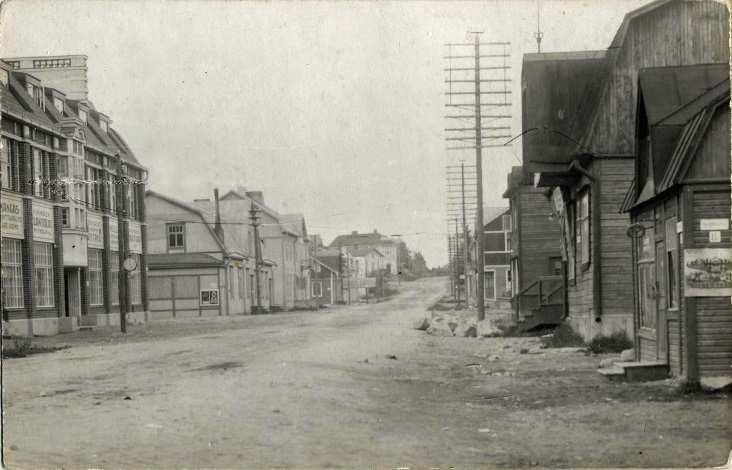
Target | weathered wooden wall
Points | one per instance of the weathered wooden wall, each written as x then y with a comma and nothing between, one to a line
679,33
539,236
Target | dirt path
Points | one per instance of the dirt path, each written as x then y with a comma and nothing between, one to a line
316,389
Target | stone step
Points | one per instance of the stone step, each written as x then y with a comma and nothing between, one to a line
616,374
635,371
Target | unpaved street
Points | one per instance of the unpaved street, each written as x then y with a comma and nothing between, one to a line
317,389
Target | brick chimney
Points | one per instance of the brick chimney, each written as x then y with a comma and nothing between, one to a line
218,229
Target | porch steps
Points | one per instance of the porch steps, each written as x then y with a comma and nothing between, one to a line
635,371
546,315
86,328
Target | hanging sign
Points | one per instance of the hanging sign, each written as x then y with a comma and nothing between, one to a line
11,216
135,235
113,234
43,222
96,233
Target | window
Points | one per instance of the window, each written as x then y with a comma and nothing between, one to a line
317,289
672,263
103,125
5,166
12,273
43,278
135,284
176,236
11,164
114,278
96,296
58,104
82,115
506,221
37,172
4,77
65,216
29,88
489,285
583,228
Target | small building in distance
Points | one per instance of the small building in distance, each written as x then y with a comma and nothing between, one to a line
496,235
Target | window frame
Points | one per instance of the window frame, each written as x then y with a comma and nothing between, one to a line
319,284
114,278
583,229
43,287
12,273
170,232
95,277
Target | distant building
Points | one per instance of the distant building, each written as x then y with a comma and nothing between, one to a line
385,245
192,272
72,204
325,284
496,235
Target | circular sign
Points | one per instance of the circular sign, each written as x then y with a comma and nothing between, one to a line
635,231
129,264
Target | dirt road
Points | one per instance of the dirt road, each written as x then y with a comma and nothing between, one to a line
318,389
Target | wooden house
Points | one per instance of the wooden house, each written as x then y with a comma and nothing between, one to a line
579,141
679,205
536,266
496,235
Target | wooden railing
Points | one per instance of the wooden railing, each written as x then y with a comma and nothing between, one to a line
547,290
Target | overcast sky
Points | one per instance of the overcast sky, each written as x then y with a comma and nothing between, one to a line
332,109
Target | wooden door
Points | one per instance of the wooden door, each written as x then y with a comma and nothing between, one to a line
661,322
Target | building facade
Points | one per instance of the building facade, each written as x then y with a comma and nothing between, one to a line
386,246
73,208
579,118
679,205
497,280
537,266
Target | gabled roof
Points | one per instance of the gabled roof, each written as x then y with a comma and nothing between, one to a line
295,223
364,250
374,238
492,213
234,194
192,210
325,266
707,87
667,91
15,101
630,16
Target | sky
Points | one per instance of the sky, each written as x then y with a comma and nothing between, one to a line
332,109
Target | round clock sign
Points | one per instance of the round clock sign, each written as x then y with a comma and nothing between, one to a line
129,264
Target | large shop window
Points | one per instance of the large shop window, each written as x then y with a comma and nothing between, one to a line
135,283
96,295
114,278
12,273
583,228
43,278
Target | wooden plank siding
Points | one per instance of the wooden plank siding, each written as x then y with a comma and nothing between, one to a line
615,249
540,236
678,33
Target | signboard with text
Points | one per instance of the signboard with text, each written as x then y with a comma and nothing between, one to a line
113,234
11,216
96,233
135,239
43,222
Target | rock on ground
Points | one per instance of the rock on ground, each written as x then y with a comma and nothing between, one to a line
466,330
628,355
439,329
422,324
486,328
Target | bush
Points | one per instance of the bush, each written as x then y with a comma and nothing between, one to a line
615,343
563,337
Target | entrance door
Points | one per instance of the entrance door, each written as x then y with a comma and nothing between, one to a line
490,285
73,292
661,323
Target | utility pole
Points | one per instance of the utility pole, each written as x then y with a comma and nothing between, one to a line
254,217
479,295
466,74
465,230
457,262
538,34
123,275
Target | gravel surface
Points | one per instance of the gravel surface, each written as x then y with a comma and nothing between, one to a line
344,387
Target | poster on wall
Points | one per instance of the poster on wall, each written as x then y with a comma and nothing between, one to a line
43,222
708,272
95,231
210,297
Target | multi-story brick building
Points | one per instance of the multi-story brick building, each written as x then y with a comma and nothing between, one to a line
72,204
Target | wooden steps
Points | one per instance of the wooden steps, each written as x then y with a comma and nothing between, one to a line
636,371
546,315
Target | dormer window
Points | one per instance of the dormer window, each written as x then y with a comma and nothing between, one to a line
103,125
4,77
82,115
58,104
29,89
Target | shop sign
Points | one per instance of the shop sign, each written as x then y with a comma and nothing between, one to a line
11,216
714,224
96,232
43,223
135,237
707,272
113,234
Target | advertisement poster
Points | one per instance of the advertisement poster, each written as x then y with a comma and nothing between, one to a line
708,272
